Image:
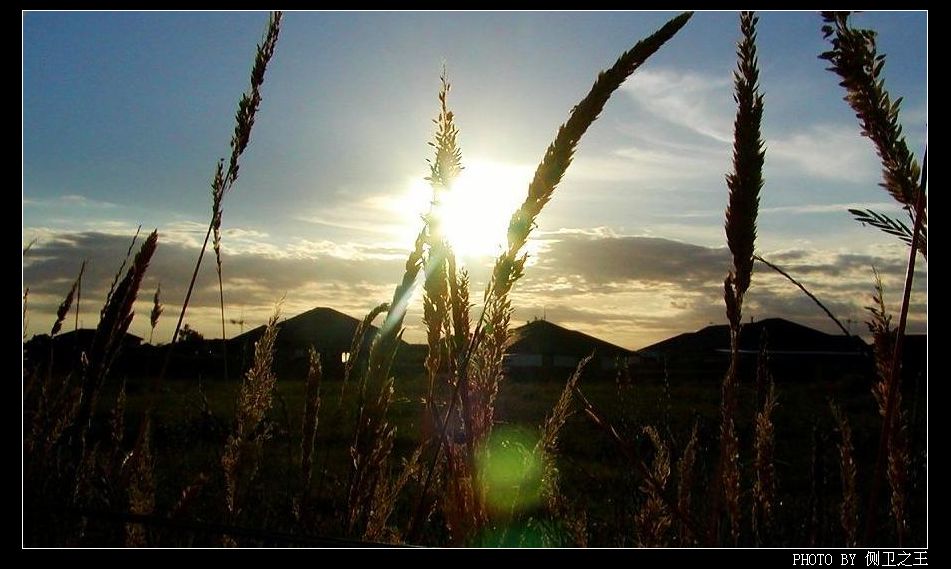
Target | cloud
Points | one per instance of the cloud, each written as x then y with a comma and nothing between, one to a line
653,164
637,290
836,208
631,290
827,151
254,277
611,259
68,201
700,103
683,128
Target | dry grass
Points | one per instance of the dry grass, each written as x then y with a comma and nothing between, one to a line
848,470
64,307
746,180
357,358
685,482
764,452
223,179
546,453
157,310
26,312
854,58
69,463
805,291
447,329
116,317
894,431
653,521
744,183
140,488
240,459
477,356
311,414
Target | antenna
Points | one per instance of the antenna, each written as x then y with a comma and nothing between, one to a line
240,321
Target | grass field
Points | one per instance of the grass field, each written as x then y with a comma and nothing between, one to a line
193,419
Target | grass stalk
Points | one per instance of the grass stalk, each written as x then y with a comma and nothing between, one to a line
225,179
685,477
848,511
309,423
653,521
855,59
892,441
488,338
239,461
764,451
805,291
157,310
116,317
744,183
64,307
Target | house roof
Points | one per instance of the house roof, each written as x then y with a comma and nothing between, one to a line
783,336
544,337
325,328
84,336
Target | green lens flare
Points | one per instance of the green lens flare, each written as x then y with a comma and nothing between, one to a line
510,470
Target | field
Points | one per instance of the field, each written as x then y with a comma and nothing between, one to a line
193,418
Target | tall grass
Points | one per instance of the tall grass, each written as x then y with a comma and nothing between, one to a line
311,413
653,520
895,431
224,179
764,450
64,307
805,291
66,461
156,313
685,482
476,358
744,183
848,511
854,58
241,455
116,318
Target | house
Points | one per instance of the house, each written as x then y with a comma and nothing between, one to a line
795,352
329,331
547,350
66,349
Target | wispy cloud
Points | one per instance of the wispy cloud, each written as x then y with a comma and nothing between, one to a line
68,200
827,152
646,163
697,102
805,209
830,208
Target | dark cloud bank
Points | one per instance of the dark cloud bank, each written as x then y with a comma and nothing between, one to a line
631,290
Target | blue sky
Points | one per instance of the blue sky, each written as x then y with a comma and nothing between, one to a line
125,114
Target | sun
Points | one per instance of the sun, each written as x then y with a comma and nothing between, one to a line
475,213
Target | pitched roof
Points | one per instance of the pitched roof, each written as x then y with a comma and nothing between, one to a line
543,337
783,336
85,336
325,328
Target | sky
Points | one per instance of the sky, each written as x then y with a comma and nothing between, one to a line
126,114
